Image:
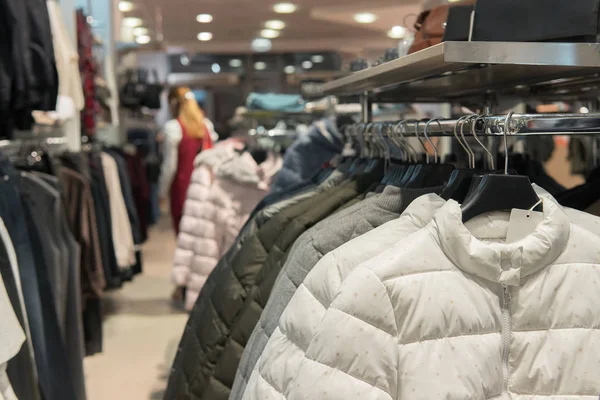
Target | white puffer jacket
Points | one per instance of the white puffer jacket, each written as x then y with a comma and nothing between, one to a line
225,188
430,319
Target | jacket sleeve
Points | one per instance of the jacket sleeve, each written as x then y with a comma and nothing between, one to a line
173,136
354,352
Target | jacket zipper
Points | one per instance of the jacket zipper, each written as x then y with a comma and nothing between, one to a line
506,336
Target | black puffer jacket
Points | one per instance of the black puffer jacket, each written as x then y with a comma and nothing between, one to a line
214,339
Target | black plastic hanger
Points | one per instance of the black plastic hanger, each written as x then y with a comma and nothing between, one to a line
500,192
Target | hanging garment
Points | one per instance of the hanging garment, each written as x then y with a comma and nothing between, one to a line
11,340
73,324
50,293
81,216
291,338
101,200
141,190
224,189
127,193
324,237
121,227
67,59
261,254
20,369
471,269
307,155
178,165
12,213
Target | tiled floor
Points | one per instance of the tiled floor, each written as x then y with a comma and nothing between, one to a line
141,330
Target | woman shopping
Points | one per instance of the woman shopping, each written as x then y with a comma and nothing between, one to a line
184,137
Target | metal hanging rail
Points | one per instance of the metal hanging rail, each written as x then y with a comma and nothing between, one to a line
493,125
452,71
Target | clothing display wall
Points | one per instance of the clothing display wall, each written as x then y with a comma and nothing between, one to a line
57,258
364,281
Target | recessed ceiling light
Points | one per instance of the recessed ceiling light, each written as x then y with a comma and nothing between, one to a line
289,69
284,8
365,18
216,68
275,24
317,58
205,36
184,60
143,39
140,30
269,33
307,64
235,63
397,32
132,22
261,45
125,6
260,66
204,18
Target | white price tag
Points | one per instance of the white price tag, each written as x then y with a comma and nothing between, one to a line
522,223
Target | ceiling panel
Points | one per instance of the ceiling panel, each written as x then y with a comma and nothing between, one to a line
236,22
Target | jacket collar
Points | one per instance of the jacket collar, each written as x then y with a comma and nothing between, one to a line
505,263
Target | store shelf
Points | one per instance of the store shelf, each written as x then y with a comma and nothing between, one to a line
459,70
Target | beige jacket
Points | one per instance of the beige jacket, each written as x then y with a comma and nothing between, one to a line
121,227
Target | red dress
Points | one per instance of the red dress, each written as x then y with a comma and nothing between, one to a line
189,148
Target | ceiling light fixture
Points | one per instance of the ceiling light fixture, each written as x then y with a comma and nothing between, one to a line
275,24
260,66
132,22
289,69
143,39
204,18
216,68
307,64
269,33
317,58
261,45
205,36
140,30
235,63
184,60
397,32
125,6
284,8
365,18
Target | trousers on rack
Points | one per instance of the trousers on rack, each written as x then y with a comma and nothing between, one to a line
71,308
62,382
12,213
21,369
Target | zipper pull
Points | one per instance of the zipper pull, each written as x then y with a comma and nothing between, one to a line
506,295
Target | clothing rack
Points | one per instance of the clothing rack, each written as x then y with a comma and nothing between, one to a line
487,125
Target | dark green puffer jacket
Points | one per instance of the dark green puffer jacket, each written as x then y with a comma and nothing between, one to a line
211,347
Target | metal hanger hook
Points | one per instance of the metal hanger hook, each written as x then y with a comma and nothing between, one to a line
420,141
459,121
473,129
435,150
505,133
399,141
462,134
